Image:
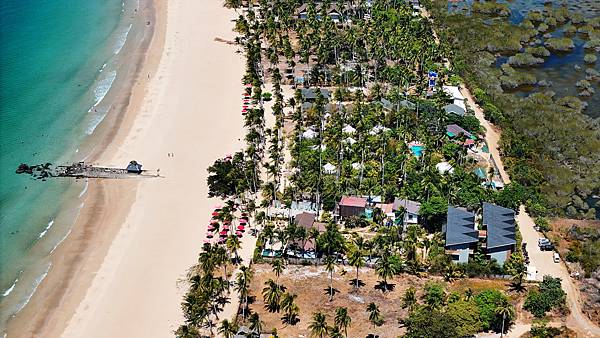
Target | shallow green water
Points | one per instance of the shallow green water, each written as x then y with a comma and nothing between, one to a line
52,81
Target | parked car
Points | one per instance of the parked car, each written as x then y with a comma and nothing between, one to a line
543,241
547,247
556,257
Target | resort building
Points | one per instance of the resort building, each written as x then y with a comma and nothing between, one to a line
455,95
455,109
460,234
351,206
332,11
310,94
497,237
411,211
389,106
305,219
454,130
499,222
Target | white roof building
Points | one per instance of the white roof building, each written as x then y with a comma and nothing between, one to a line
454,92
309,134
444,167
329,168
350,141
348,129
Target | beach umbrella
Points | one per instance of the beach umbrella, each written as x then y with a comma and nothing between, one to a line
248,85
214,221
243,221
223,233
215,214
239,233
225,227
211,228
241,227
209,235
218,207
245,106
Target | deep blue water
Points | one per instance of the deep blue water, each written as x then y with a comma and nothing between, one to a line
55,68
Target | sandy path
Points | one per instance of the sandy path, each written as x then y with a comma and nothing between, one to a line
492,137
191,109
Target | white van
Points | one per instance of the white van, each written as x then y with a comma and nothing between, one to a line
556,257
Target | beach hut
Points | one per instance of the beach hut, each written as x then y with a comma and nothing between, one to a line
329,168
444,167
348,129
134,167
243,221
350,141
309,134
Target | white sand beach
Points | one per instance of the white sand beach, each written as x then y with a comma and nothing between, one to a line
191,109
140,238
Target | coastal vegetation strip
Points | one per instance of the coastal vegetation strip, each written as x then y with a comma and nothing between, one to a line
549,146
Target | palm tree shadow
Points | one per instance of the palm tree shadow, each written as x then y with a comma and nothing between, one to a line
290,319
332,291
385,287
251,299
518,287
353,283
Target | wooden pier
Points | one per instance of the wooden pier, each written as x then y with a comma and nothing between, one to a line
82,170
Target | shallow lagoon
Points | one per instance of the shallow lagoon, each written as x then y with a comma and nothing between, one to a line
561,70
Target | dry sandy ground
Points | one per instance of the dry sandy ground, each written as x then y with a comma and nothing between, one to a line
310,284
125,283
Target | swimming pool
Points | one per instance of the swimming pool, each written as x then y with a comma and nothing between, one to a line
417,150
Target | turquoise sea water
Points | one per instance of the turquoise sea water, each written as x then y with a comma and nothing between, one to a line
58,60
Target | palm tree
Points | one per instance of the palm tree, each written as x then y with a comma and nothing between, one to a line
277,266
256,324
355,259
504,309
290,308
330,267
233,245
227,328
272,293
386,268
334,332
242,286
374,314
342,319
318,326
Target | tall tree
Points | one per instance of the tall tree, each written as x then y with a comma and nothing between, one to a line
342,319
318,325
